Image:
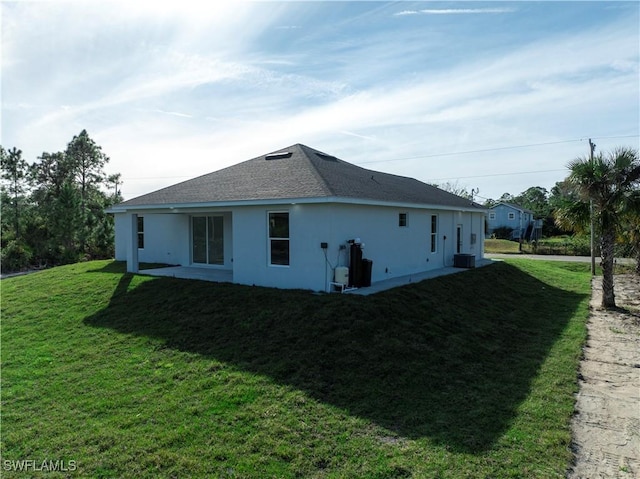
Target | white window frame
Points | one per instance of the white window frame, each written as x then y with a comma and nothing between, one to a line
492,215
511,216
433,237
274,238
140,231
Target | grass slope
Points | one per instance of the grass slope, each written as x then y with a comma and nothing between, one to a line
470,375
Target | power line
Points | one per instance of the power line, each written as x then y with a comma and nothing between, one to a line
610,137
468,152
485,150
496,174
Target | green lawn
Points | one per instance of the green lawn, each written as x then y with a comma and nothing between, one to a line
469,375
501,246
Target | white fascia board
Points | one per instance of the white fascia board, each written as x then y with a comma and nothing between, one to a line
399,204
186,207
194,207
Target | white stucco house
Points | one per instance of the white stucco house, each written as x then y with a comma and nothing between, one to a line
285,219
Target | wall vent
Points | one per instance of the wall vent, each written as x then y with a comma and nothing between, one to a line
278,156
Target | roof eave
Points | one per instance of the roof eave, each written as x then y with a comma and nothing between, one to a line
185,207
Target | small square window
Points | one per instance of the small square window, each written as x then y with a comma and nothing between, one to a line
492,216
512,216
402,219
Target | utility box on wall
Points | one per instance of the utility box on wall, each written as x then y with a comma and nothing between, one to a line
367,266
464,260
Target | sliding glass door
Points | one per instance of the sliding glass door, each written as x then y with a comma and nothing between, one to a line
207,233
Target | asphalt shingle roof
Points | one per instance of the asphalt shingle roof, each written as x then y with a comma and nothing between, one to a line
514,206
299,172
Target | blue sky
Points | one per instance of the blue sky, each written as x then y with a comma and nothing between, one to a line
491,95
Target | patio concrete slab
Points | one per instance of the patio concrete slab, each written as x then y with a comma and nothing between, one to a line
226,276
187,272
390,283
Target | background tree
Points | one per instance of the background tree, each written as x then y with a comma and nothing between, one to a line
611,181
535,199
14,172
15,251
53,181
62,215
85,160
455,188
67,224
115,181
50,173
631,227
489,202
506,198
569,212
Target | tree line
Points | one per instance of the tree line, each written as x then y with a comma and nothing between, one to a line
602,192
53,210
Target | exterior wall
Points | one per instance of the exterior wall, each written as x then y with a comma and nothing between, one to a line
121,229
166,238
395,250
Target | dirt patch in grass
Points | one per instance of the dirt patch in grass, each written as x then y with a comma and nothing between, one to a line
606,425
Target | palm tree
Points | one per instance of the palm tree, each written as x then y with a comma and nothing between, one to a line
631,228
611,181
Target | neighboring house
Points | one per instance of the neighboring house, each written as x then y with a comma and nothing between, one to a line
519,220
285,220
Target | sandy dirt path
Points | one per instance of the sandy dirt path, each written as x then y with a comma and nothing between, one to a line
606,424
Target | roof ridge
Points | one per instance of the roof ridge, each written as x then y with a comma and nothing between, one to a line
316,171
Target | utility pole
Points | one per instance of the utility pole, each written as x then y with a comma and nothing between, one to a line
592,147
474,192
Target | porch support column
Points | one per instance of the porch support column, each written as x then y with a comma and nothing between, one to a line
132,250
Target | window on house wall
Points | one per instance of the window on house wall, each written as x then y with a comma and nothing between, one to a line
402,219
140,232
434,233
279,238
492,216
512,216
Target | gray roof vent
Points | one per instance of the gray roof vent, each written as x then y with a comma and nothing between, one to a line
326,157
278,156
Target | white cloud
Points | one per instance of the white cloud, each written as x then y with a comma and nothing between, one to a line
455,11
177,93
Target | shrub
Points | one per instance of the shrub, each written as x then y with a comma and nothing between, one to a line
16,255
503,232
